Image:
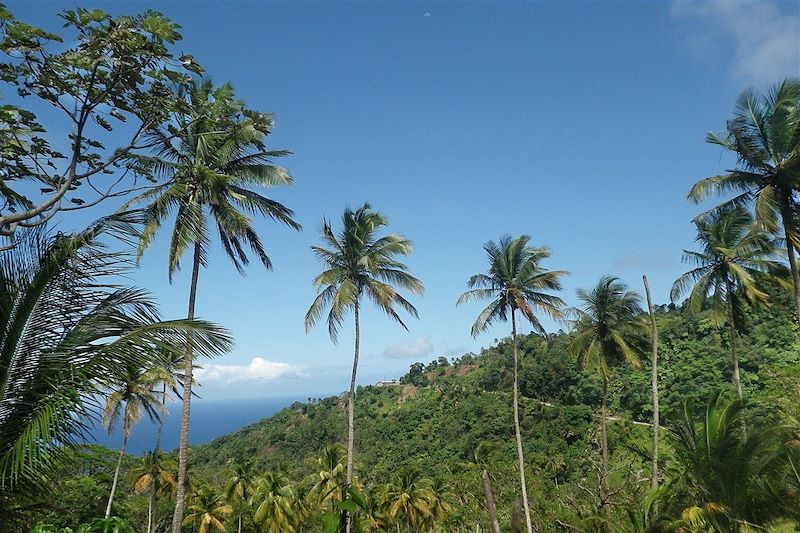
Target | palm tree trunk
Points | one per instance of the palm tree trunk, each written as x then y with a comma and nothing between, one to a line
116,475
790,252
515,516
240,522
517,433
154,491
490,506
351,401
150,505
183,446
604,448
654,389
737,382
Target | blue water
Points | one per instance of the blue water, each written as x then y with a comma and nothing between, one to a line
210,419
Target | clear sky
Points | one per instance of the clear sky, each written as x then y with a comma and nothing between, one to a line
580,124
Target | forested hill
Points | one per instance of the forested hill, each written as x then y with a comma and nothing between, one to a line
436,418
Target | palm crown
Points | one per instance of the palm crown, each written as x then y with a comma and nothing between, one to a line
610,325
733,255
515,280
764,134
218,157
359,262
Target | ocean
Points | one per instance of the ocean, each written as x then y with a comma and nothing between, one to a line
210,419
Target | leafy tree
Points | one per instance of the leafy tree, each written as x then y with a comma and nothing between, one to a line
112,82
764,133
131,396
359,263
515,281
734,254
209,509
66,328
208,170
609,328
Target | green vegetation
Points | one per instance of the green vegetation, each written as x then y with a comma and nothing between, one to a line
450,419
433,452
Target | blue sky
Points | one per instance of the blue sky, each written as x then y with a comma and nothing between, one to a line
578,123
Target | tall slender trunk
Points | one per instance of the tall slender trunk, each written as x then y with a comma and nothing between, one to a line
490,506
240,522
737,382
150,513
517,433
351,402
604,448
116,474
154,490
654,389
790,252
515,516
183,445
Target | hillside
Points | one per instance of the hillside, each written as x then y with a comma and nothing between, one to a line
441,412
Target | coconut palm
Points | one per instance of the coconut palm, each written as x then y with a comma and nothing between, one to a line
610,327
168,373
154,474
66,329
241,486
274,499
731,472
131,396
410,497
733,255
360,263
209,161
209,509
330,482
516,281
764,133
442,501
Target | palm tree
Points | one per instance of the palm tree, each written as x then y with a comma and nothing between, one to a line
66,328
168,373
609,327
155,474
209,160
442,501
241,485
516,281
131,396
274,496
731,472
357,263
653,509
764,133
733,255
210,509
410,496
330,482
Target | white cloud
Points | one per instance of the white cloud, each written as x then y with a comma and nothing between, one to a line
258,369
419,347
765,35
